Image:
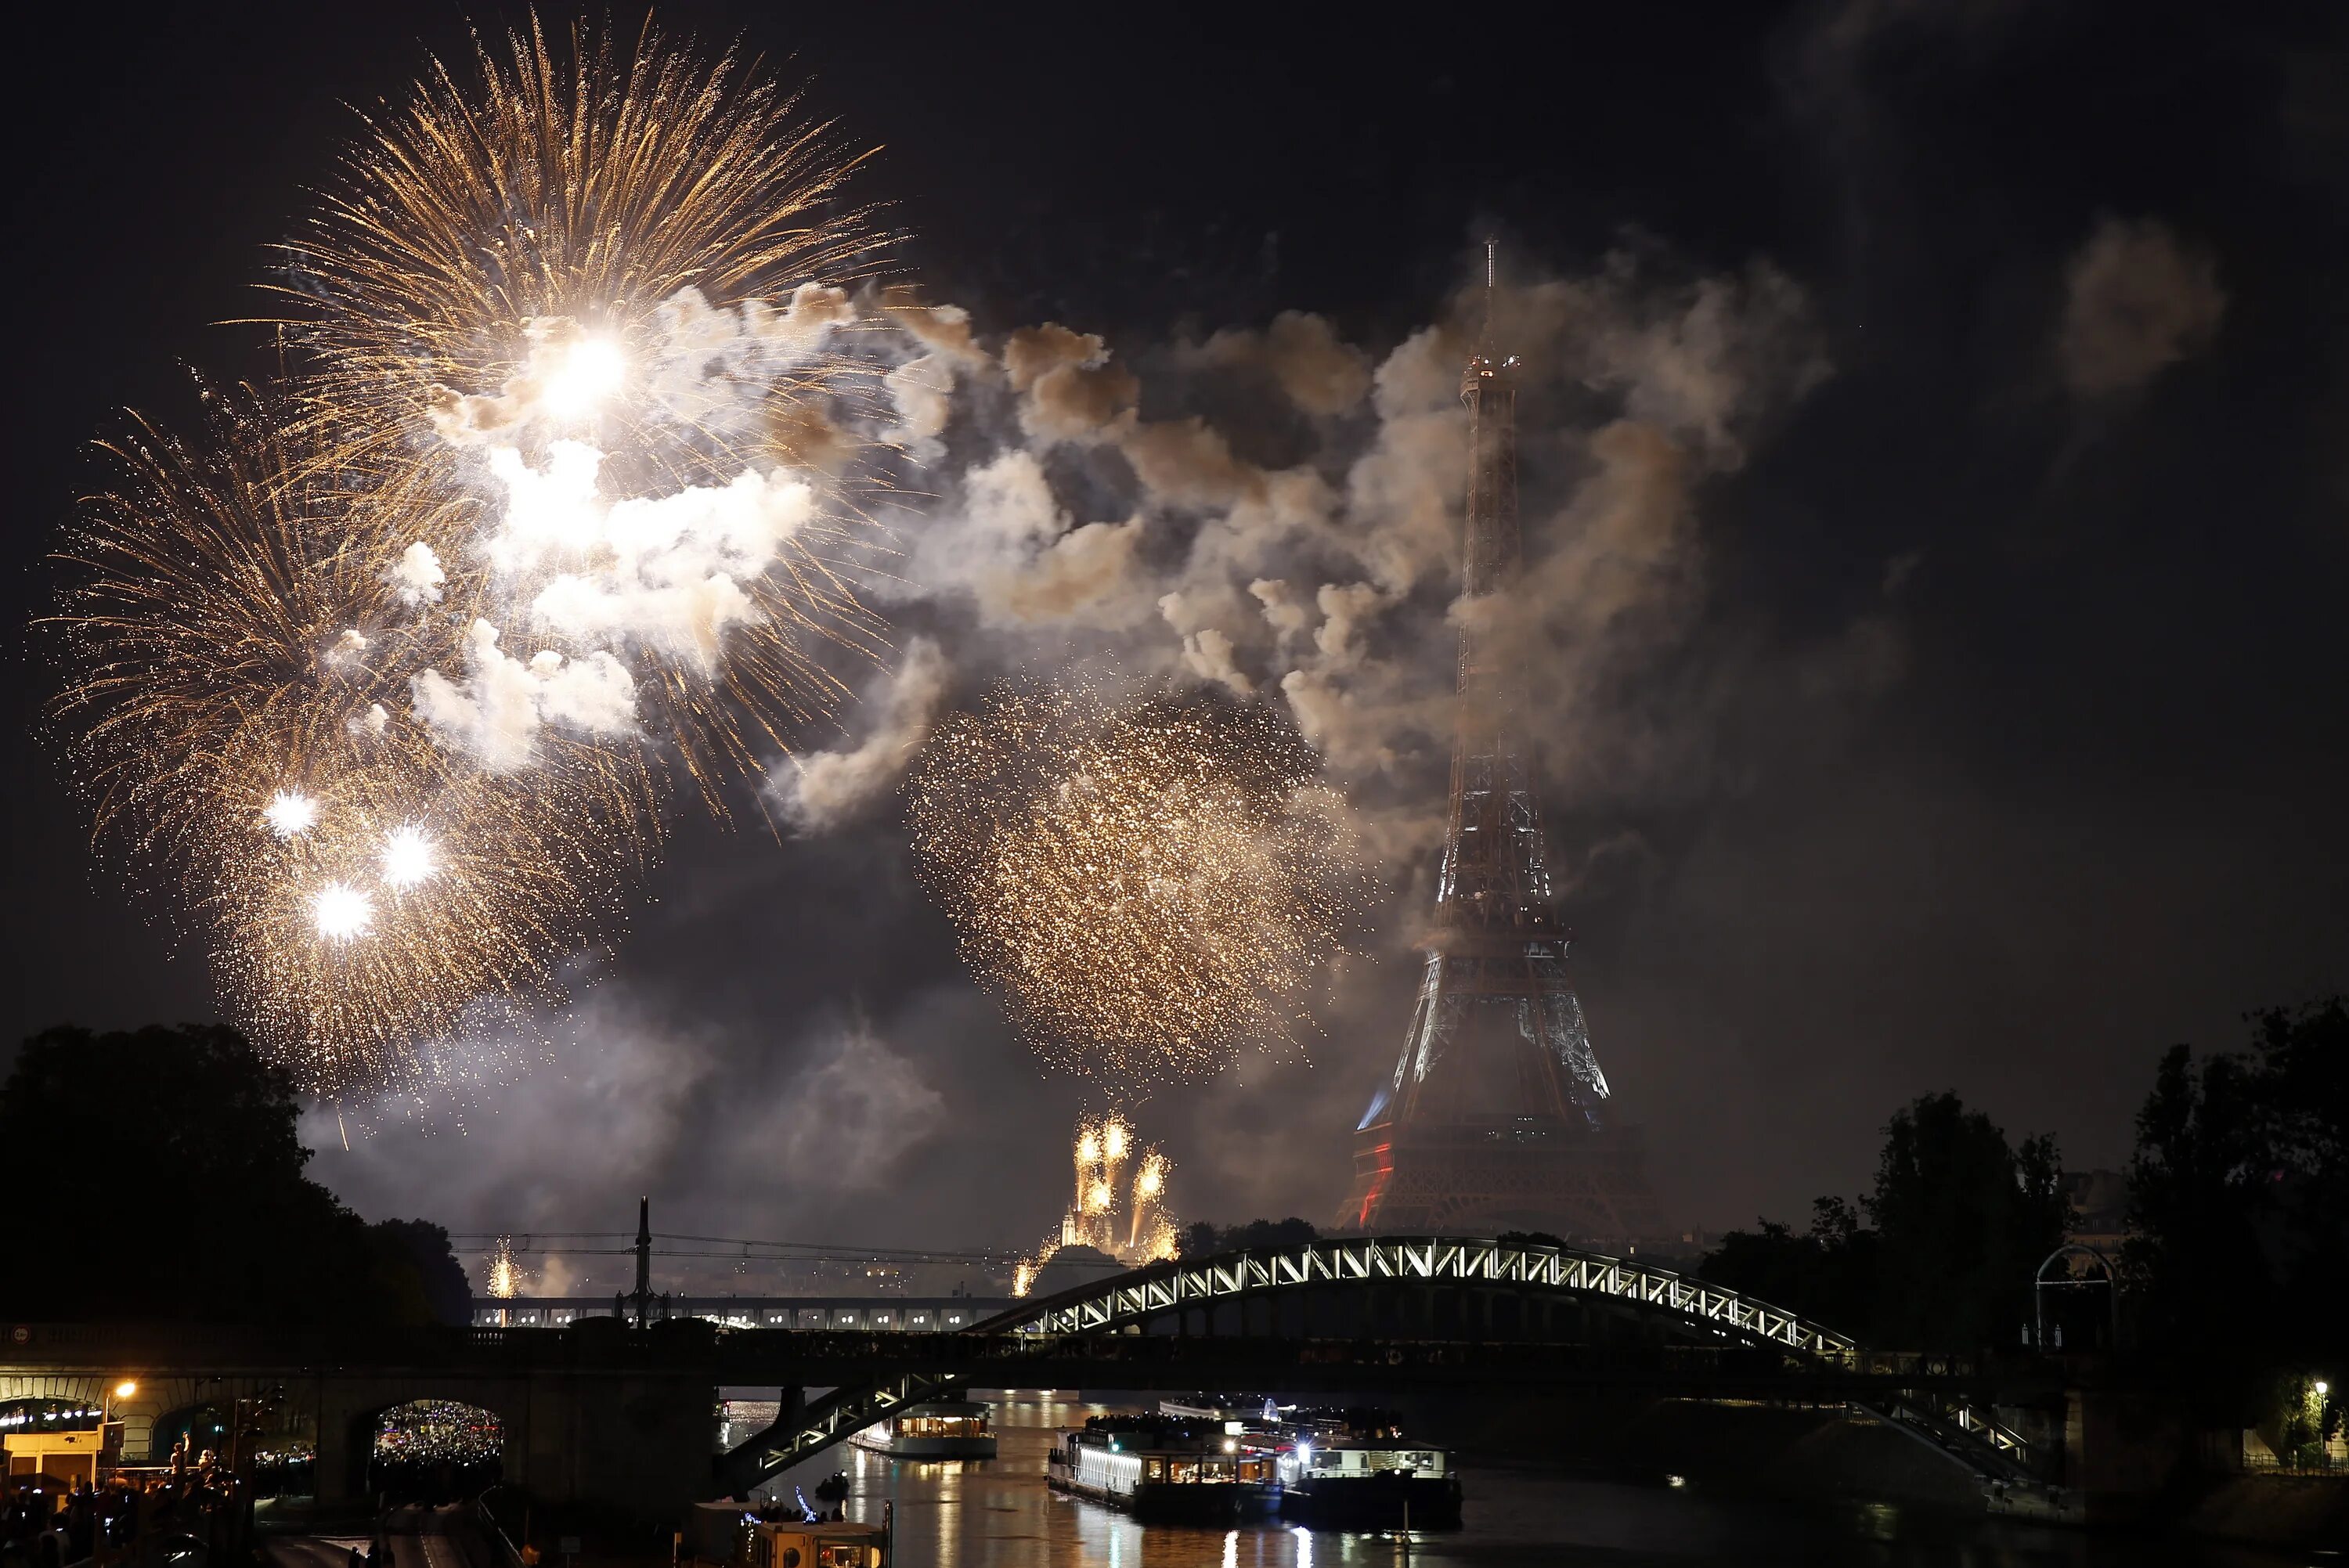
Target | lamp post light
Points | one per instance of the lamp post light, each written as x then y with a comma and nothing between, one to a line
122,1390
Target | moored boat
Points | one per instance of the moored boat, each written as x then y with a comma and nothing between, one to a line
730,1535
1163,1471
835,1543
935,1429
1338,1469
1340,1480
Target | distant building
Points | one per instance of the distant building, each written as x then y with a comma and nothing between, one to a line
2099,1203
1074,1266
861,1314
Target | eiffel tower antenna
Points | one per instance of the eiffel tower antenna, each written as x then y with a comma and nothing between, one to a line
1497,1116
1485,327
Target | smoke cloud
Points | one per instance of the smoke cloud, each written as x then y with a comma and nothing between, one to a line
495,713
1302,354
644,1097
826,789
848,1119
1282,525
2136,299
416,574
1313,566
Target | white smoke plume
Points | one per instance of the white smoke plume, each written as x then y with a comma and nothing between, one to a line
641,1082
666,571
593,576
701,365
1082,508
1318,570
418,575
828,788
495,712
1003,542
1302,354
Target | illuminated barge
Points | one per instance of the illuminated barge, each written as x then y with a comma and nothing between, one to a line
1167,1471
937,1429
1338,1469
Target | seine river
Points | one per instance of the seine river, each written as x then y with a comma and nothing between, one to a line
1000,1514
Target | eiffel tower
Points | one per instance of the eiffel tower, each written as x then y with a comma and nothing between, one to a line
1497,1116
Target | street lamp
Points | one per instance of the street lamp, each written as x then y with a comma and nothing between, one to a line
122,1390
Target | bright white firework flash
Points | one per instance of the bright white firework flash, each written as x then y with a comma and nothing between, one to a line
408,856
341,912
592,371
290,813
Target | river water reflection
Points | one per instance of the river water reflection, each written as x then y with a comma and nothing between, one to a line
1000,1514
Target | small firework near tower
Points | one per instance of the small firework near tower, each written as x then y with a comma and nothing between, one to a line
1119,1207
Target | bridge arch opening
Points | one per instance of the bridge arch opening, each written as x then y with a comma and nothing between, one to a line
198,1427
2075,1302
433,1451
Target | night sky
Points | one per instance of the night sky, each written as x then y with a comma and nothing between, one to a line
1997,741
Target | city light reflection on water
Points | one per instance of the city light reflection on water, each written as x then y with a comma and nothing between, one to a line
999,1513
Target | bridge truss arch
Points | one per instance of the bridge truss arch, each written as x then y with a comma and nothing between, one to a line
1146,1295
1153,1301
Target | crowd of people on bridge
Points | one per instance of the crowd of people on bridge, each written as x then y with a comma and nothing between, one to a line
128,1516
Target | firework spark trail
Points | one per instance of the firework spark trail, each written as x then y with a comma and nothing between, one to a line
505,1275
1150,889
238,712
552,293
386,670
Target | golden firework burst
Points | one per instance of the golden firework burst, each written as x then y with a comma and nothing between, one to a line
386,669
238,710
1150,889
596,291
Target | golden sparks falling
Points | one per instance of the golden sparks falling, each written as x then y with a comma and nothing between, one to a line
609,254
239,714
506,1274
1150,889
386,669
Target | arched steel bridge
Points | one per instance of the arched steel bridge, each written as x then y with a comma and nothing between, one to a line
1174,1287
1166,1298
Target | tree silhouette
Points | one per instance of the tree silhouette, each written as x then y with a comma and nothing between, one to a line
1960,1221
167,1170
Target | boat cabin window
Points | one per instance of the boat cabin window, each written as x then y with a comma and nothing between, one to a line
1153,1469
942,1426
1206,1468
848,1554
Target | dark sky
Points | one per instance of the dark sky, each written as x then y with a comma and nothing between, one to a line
2091,804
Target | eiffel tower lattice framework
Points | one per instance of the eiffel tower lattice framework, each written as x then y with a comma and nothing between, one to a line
1497,1116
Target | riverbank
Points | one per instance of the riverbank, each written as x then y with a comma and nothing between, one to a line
1829,1455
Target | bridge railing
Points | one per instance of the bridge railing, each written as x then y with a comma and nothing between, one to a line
1175,1286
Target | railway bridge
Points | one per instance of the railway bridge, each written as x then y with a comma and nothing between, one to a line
603,1410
